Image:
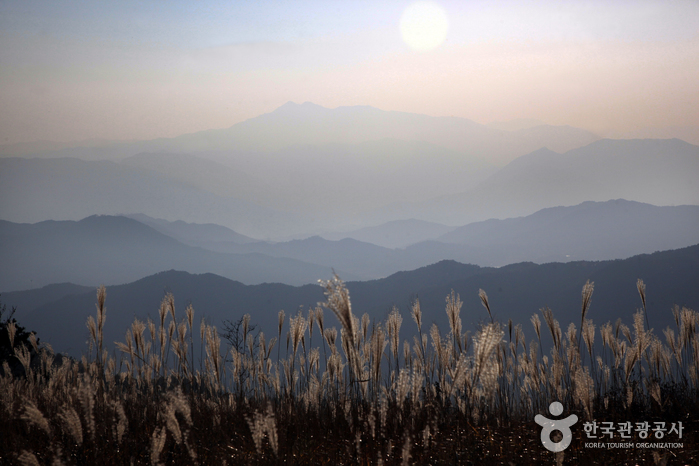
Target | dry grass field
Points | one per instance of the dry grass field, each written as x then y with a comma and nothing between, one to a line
316,394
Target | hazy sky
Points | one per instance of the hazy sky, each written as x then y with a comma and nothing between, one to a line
73,70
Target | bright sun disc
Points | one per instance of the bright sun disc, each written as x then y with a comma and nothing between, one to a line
424,26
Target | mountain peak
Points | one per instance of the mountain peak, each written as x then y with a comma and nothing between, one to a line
293,108
539,155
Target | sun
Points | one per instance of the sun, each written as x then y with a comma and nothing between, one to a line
424,26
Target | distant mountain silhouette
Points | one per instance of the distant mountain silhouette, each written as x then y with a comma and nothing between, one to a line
202,173
516,292
687,133
194,234
658,172
326,181
395,234
49,252
34,148
310,124
309,189
516,125
105,249
588,231
37,297
32,190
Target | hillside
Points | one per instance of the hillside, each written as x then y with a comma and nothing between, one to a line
33,190
654,171
105,249
516,292
587,231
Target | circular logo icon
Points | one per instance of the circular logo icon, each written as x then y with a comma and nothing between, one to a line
562,425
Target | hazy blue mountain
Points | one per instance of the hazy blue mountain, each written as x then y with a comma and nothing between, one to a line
310,124
202,173
344,191
588,231
361,259
654,171
689,133
32,190
194,234
515,291
555,138
516,124
395,234
49,252
105,249
364,260
326,181
23,149
323,187
36,297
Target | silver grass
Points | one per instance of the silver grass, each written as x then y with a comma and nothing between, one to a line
157,443
393,324
338,301
366,320
25,357
246,326
171,423
417,314
331,337
11,330
122,423
453,310
298,328
33,342
320,319
584,390
311,321
484,300
588,333
402,386
101,316
485,367
33,416
536,322
378,344
27,459
641,287
407,355
405,454
586,299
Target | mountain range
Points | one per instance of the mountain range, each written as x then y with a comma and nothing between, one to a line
394,234
659,172
310,124
515,292
115,249
330,180
106,249
246,219
32,190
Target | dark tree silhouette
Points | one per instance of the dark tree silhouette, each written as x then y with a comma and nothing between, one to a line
21,338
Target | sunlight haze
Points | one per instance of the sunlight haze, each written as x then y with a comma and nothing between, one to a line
142,70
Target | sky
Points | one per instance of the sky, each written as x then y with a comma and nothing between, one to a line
77,70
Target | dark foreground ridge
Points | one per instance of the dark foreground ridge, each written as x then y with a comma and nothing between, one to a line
357,396
517,291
